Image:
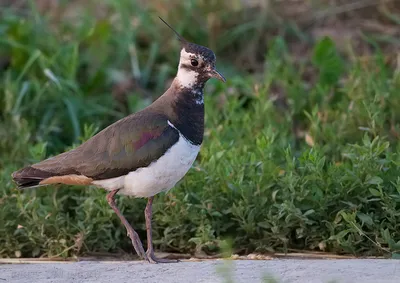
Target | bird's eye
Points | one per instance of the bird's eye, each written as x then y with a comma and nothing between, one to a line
194,62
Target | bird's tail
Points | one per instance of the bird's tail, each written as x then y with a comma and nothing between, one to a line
29,177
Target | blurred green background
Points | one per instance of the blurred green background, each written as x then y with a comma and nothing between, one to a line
301,146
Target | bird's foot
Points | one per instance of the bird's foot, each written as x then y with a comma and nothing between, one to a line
137,244
153,259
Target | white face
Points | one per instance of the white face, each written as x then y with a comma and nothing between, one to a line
187,78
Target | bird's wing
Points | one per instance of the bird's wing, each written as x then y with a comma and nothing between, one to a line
129,144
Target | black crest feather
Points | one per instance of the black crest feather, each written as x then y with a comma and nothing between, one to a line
205,52
181,39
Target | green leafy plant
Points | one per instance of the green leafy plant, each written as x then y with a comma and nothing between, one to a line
286,164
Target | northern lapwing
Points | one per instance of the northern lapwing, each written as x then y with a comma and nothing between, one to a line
143,154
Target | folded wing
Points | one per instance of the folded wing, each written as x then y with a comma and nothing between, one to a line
123,147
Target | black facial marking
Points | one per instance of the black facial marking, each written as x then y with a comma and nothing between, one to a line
188,67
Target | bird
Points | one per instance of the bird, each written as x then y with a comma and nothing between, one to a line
144,153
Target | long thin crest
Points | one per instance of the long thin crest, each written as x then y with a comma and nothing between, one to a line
181,39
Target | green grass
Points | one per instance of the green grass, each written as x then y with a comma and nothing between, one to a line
318,173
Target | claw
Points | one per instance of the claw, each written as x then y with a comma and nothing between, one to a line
153,259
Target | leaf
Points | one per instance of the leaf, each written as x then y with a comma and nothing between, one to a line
386,235
24,90
365,218
73,115
216,214
49,73
375,180
35,55
374,192
309,212
340,235
347,217
264,225
274,194
219,154
328,61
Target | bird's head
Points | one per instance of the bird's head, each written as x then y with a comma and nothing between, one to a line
196,64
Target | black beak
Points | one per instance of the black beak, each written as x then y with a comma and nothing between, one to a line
215,74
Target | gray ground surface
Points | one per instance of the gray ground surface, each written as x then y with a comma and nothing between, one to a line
285,270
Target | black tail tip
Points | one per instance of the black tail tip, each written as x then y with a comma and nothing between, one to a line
24,182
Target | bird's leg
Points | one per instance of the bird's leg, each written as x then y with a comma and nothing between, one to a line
137,244
150,252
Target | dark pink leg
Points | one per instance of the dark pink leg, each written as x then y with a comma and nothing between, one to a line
148,213
137,244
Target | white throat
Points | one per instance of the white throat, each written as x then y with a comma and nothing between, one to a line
187,78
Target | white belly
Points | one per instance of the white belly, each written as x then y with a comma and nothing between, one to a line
161,175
